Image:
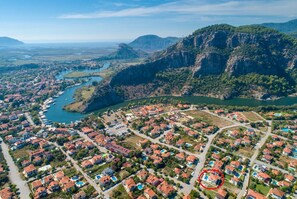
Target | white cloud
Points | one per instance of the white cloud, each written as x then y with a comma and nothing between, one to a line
284,8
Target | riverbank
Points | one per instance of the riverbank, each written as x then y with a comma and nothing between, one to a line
56,112
200,100
79,74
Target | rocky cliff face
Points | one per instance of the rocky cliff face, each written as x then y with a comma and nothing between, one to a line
104,96
212,51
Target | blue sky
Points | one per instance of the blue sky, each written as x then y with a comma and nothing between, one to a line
118,20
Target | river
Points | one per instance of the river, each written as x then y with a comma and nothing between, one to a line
56,113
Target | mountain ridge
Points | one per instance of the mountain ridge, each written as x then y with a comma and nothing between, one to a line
151,43
124,52
8,41
220,60
286,27
289,27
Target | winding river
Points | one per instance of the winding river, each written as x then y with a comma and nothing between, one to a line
56,113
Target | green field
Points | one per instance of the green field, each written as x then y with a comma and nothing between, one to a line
76,74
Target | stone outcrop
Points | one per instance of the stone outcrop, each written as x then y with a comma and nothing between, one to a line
214,50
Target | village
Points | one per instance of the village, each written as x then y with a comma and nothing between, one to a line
142,151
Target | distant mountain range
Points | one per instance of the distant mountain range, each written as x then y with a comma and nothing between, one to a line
7,41
151,43
124,52
219,61
289,27
140,47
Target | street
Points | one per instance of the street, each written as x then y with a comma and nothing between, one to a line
14,175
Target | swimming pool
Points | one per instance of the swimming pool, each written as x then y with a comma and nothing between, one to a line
255,174
277,114
97,177
236,174
205,177
79,184
163,151
139,186
188,145
74,178
274,182
287,130
114,179
144,158
215,151
211,163
190,164
240,167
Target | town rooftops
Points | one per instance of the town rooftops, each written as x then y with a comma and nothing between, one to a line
30,168
254,195
276,192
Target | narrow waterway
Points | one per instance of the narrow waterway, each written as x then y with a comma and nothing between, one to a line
56,113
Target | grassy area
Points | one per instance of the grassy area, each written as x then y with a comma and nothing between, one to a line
75,106
105,74
124,174
211,119
252,116
70,172
20,153
87,92
228,177
97,169
230,187
246,151
120,193
262,189
76,74
81,96
132,141
210,193
264,129
56,164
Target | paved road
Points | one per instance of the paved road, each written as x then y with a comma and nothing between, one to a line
14,175
252,161
90,181
164,144
187,188
102,149
202,156
273,167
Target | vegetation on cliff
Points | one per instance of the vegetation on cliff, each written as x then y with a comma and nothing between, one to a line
219,60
